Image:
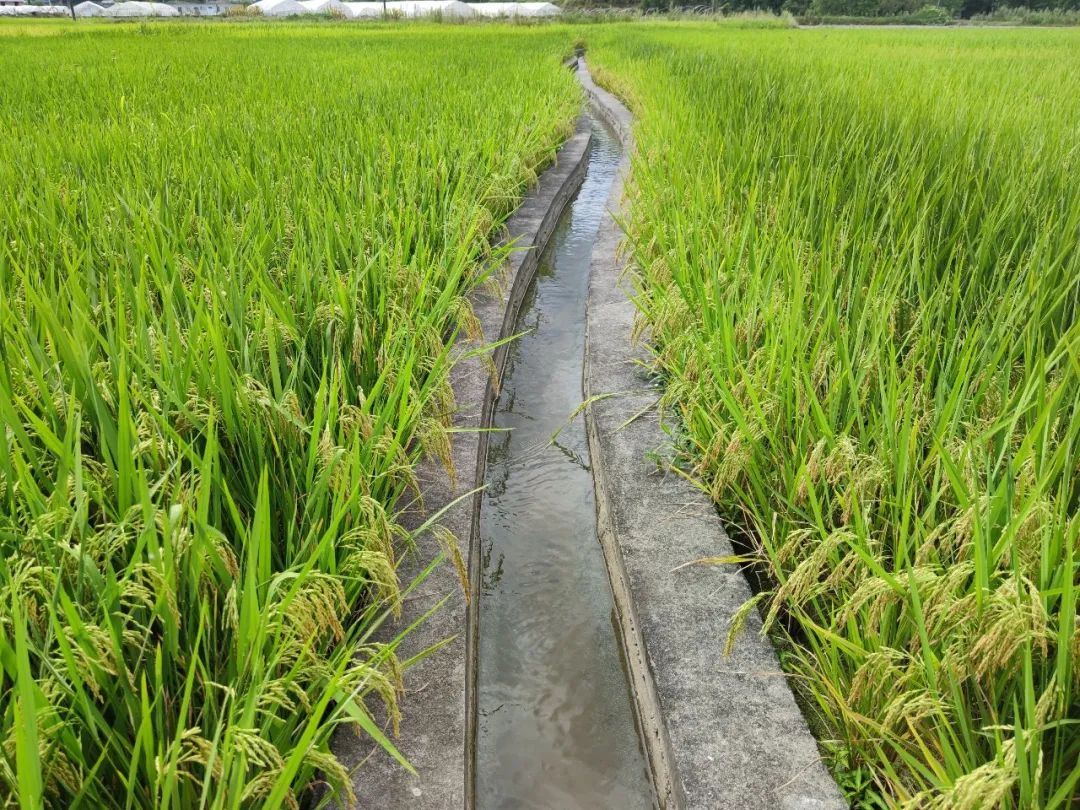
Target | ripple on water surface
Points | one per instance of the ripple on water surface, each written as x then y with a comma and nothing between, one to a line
556,726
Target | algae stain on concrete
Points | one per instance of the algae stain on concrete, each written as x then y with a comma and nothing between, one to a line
556,725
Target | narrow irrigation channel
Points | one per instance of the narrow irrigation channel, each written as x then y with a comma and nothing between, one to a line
556,725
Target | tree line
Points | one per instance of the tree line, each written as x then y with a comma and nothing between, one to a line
855,8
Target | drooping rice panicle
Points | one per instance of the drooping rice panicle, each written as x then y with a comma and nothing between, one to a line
232,260
857,256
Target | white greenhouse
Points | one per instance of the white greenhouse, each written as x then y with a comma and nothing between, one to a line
335,7
34,11
358,11
137,8
428,8
364,10
278,8
516,9
88,9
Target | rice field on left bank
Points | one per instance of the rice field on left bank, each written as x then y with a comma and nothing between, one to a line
232,260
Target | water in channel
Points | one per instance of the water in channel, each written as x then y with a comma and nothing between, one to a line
556,727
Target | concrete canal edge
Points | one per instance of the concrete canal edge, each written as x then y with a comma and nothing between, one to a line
438,728
719,731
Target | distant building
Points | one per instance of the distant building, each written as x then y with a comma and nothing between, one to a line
12,2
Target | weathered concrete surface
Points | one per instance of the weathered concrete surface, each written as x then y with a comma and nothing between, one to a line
721,732
439,708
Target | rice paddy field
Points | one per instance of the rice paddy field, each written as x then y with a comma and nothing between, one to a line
232,262
857,258
234,258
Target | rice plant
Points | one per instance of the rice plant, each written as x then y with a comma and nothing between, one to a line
232,262
857,259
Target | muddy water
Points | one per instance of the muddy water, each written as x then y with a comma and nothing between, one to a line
556,727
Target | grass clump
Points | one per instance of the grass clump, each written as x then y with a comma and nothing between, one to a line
856,253
232,260
1022,15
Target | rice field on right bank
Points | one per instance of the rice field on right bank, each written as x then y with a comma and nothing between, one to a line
856,255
